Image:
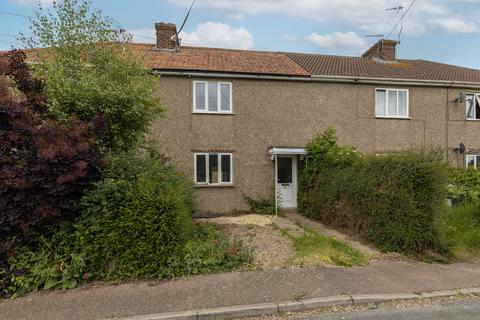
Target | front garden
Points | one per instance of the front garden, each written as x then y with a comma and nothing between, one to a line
395,202
84,194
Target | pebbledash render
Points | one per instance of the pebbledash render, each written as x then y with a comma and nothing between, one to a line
238,121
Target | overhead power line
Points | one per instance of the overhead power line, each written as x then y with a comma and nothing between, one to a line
11,42
14,14
141,36
186,17
401,18
8,35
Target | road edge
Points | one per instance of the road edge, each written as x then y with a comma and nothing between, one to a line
263,309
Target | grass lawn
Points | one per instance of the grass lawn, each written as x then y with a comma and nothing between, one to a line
462,228
312,248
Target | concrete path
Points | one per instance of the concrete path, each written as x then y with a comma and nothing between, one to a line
239,288
328,232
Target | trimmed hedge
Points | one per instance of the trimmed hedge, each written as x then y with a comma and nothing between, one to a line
391,201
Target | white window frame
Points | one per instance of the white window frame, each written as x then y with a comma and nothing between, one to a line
476,96
474,156
386,103
207,168
219,101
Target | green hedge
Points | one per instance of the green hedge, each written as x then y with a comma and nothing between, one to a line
136,223
391,201
136,218
464,185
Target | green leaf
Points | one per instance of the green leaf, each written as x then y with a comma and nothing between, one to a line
51,283
71,283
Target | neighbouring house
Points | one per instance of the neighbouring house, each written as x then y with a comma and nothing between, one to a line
238,121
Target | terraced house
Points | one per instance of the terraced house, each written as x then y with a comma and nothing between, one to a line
238,121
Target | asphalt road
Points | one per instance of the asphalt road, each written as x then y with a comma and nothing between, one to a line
458,310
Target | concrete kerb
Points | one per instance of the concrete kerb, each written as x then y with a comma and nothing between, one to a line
263,309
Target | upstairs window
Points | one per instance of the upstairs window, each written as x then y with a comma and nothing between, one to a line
473,161
212,97
473,106
213,168
391,103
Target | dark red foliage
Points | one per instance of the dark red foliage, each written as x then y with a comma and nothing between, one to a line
44,165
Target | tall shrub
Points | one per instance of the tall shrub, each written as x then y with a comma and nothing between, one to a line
44,165
136,219
392,201
89,70
464,185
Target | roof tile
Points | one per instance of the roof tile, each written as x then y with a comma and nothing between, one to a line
340,66
218,60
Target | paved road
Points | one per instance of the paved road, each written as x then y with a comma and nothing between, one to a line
458,310
238,288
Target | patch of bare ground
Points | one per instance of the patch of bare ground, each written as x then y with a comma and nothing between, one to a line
270,248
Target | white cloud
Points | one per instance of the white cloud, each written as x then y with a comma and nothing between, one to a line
367,15
33,2
453,25
215,34
208,34
339,42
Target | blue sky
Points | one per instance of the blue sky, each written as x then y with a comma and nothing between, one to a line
441,30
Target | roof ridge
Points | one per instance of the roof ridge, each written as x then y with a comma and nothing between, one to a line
214,48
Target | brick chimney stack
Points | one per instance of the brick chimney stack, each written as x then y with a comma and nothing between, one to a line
384,50
166,36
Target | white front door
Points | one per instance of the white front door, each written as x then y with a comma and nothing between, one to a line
287,181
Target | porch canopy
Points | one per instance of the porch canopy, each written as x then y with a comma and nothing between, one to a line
286,151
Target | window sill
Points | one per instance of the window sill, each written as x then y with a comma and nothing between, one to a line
223,185
472,119
214,113
393,118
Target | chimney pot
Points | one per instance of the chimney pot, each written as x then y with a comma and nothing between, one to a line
384,50
166,36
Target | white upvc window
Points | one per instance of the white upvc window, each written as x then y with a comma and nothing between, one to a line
213,168
472,161
212,97
473,106
391,103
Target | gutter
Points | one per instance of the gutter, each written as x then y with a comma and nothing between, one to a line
328,79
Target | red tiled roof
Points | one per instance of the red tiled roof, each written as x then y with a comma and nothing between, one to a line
218,60
294,64
340,66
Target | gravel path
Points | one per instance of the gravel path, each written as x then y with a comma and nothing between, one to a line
270,248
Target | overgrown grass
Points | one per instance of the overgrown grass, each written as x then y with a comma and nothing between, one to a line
462,229
313,248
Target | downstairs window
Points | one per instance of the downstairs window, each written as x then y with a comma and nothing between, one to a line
213,168
473,161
